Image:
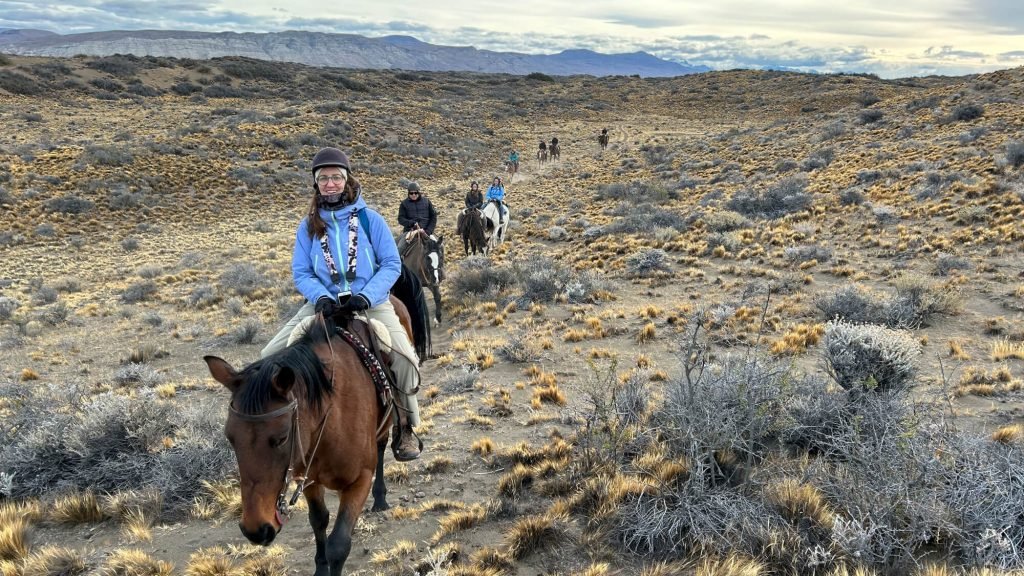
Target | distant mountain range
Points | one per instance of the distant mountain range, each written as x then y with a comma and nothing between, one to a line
338,50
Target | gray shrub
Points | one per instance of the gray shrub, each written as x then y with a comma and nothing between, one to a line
647,262
243,279
784,197
869,356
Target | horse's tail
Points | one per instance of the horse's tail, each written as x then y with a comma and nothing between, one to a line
409,290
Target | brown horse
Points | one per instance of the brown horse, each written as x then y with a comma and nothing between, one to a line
555,150
424,256
602,139
471,227
308,413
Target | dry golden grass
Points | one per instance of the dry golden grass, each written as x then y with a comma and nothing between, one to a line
28,374
438,465
458,521
475,420
1010,434
493,559
514,482
732,565
647,333
28,510
55,560
133,562
78,508
798,339
956,350
532,533
547,394
397,473
14,539
401,550
1006,350
483,446
213,561
574,335
225,496
798,501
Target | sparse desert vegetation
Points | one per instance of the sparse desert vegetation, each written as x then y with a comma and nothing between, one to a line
775,327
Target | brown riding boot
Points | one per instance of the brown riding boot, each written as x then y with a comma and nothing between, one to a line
405,445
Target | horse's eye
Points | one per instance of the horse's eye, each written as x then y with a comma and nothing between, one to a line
278,440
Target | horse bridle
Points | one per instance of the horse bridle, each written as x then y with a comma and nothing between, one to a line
283,509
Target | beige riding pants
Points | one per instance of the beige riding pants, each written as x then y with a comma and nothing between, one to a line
404,361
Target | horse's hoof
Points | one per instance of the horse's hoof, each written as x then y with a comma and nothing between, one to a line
380,507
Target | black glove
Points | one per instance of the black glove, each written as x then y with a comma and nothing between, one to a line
327,306
356,303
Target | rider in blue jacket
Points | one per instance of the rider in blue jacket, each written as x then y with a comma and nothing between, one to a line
336,277
496,194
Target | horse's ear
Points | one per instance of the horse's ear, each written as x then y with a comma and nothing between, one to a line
283,381
222,372
440,239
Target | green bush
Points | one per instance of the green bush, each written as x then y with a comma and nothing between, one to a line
539,76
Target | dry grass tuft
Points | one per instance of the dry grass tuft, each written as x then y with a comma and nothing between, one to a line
395,554
515,482
547,394
664,569
54,561
212,561
133,562
438,465
647,333
78,508
1005,350
733,565
397,473
29,510
956,350
798,339
225,496
532,533
797,501
483,446
14,539
458,521
493,559
1010,434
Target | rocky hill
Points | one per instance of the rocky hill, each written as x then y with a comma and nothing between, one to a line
340,50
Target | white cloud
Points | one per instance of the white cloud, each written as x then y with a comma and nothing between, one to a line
894,37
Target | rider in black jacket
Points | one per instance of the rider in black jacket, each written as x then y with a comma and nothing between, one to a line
415,213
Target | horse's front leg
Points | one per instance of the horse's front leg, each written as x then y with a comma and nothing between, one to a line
319,517
380,491
339,544
437,303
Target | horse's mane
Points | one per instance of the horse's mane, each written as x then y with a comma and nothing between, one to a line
301,360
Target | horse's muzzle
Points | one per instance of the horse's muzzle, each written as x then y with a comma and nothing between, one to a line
263,536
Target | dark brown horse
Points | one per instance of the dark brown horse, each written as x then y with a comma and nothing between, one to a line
308,413
602,139
424,256
555,150
471,227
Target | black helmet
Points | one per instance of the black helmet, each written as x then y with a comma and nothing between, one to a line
330,157
414,187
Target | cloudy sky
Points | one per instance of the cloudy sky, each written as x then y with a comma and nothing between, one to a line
890,38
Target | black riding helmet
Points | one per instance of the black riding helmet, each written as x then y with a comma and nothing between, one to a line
332,157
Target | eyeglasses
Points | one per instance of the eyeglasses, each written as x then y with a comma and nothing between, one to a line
414,193
333,178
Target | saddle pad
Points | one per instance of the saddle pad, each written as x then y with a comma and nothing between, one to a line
378,327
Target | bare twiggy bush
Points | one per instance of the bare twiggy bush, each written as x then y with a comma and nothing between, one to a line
784,197
647,263
520,347
459,380
244,279
61,439
138,373
866,356
478,277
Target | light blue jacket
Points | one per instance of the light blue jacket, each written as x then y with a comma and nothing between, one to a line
377,265
496,193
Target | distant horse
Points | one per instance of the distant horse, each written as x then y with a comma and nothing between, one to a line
602,139
512,168
308,413
555,150
494,231
470,226
542,154
424,256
